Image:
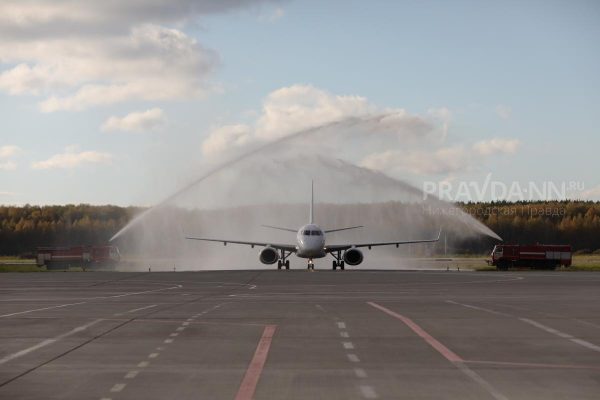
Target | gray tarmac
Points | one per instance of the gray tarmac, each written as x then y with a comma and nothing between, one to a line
300,335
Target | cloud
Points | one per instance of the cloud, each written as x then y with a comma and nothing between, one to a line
503,111
444,115
8,166
6,153
229,135
298,107
391,140
136,121
444,160
273,15
72,159
591,194
9,151
441,160
496,146
91,53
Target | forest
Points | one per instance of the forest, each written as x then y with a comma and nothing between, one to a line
22,229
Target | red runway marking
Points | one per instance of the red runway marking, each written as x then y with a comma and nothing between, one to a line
443,350
248,386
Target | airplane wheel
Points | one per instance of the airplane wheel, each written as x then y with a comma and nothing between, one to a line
278,264
341,265
334,265
287,264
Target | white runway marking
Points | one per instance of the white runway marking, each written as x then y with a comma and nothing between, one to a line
563,335
174,334
480,308
46,342
153,355
482,382
538,325
131,374
42,309
546,328
341,325
344,334
185,323
360,373
136,309
168,341
180,328
353,357
368,392
92,298
143,364
118,387
443,350
348,345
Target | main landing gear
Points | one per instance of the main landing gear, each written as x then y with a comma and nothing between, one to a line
283,261
336,264
311,265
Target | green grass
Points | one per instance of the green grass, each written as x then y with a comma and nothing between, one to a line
21,268
586,262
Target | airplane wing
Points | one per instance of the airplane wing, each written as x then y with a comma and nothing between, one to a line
338,247
286,247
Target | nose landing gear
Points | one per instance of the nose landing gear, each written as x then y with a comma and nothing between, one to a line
311,265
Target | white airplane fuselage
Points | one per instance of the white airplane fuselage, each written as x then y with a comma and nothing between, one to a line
311,242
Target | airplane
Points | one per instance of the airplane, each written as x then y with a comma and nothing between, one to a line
310,244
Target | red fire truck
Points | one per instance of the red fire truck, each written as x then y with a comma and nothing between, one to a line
542,256
77,256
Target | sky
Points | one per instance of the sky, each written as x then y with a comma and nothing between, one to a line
123,102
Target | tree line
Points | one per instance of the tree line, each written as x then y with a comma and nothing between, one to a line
22,229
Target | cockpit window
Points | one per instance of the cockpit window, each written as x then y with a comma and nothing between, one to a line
316,233
306,233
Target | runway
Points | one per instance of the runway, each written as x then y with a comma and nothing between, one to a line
300,335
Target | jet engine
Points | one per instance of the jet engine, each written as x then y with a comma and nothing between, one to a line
353,256
268,255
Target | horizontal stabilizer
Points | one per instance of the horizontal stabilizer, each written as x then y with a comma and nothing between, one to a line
342,229
281,229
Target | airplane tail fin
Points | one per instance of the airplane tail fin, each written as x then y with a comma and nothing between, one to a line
312,202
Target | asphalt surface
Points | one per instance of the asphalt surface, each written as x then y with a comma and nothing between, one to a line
300,335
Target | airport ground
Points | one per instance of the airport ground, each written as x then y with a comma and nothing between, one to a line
261,334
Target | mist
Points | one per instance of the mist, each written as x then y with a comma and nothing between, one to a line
269,183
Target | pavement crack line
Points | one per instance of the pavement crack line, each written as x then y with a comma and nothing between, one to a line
47,342
22,374
116,327
448,354
143,364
